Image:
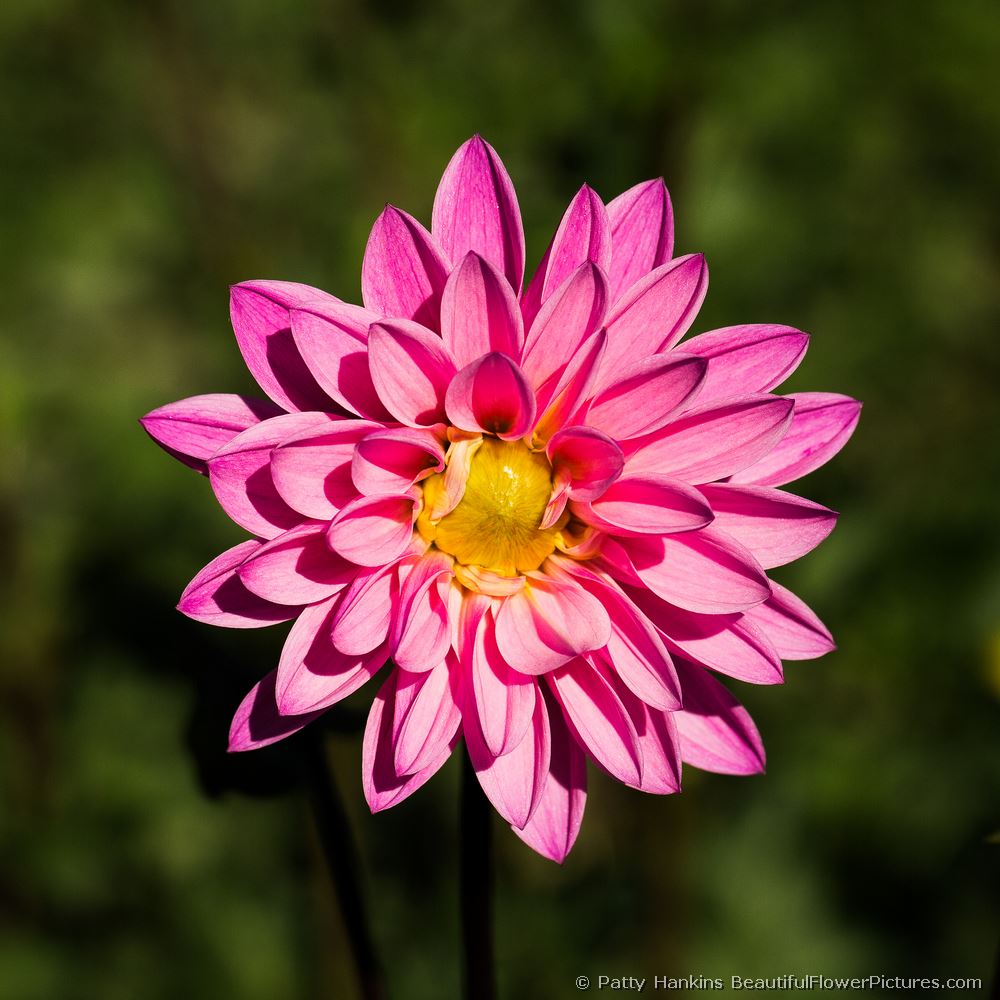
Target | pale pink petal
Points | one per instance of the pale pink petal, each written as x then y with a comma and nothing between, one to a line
777,527
258,723
475,208
646,393
426,715
240,473
411,369
659,743
504,699
571,314
646,504
701,571
514,781
548,623
193,429
376,530
404,270
297,567
598,719
479,312
587,459
716,731
584,234
391,461
791,625
555,823
568,402
642,233
382,785
364,614
420,636
312,672
708,443
333,342
493,396
216,595
312,470
261,320
822,424
654,313
742,359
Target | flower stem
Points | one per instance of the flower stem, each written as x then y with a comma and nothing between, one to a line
344,867
476,888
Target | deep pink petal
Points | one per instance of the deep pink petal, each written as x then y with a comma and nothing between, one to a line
217,596
376,530
426,715
652,315
588,460
258,723
240,473
392,460
642,233
646,393
708,443
777,527
646,504
659,743
822,424
479,313
476,209
791,626
364,614
716,731
743,359
493,396
421,635
411,369
404,270
333,342
568,402
193,429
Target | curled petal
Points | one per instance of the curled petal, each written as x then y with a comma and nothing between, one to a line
587,459
375,530
567,403
659,743
258,723
392,460
420,634
364,614
642,233
644,505
426,715
493,396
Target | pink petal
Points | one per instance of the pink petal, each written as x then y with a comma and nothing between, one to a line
475,208
426,715
642,233
479,312
391,461
646,504
742,359
655,312
376,530
568,403
260,314
492,395
312,673
383,786
777,527
700,571
404,270
822,424
504,699
659,743
421,636
571,314
512,782
364,614
791,626
646,393
241,477
716,731
216,595
333,342
193,429
411,369
587,459
584,234
548,623
297,567
711,442
257,722
312,470
555,823
598,719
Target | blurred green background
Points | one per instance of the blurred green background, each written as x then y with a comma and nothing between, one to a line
837,163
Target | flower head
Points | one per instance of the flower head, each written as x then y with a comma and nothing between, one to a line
546,513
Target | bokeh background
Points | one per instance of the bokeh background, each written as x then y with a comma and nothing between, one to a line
838,164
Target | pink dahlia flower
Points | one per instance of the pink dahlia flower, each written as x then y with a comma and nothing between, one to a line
545,515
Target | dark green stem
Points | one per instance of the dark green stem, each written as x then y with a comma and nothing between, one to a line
476,888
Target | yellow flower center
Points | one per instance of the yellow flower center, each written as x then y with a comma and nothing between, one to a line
496,523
